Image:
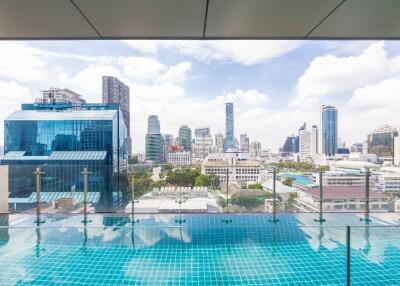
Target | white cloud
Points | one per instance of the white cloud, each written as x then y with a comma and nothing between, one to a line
88,82
331,75
19,61
11,96
141,68
245,52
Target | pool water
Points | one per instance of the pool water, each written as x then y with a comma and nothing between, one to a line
202,250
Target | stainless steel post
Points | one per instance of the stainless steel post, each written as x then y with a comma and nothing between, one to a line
227,220
274,219
38,174
85,174
367,209
321,199
348,256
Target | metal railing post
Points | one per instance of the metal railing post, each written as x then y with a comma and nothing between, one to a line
321,199
274,219
180,220
85,174
367,209
348,257
38,174
227,220
133,221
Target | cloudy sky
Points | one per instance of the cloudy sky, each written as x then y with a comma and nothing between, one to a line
275,85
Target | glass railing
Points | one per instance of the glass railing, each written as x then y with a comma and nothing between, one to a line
164,188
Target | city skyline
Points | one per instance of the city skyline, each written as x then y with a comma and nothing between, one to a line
271,83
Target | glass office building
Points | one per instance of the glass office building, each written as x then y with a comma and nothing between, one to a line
329,130
229,125
69,139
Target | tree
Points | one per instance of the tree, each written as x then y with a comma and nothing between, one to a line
256,186
202,180
288,181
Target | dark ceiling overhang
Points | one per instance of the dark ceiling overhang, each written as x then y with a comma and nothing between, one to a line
199,19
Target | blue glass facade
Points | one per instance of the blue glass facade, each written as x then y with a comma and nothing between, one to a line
40,130
329,130
229,125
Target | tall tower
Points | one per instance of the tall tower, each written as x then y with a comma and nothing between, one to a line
115,91
229,125
154,140
329,130
185,137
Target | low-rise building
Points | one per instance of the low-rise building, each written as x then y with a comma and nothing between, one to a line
239,170
341,199
353,178
179,158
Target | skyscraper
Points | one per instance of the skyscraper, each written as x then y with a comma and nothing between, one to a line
115,91
229,125
185,137
203,142
153,125
219,142
308,142
154,141
329,130
244,143
255,150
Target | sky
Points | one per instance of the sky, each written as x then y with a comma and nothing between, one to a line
275,85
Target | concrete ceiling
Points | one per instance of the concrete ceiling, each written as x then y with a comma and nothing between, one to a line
200,19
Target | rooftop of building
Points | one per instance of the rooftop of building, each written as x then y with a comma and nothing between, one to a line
343,192
299,178
57,156
51,115
240,163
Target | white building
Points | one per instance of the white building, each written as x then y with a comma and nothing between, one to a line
239,170
308,142
388,180
353,178
255,150
203,142
219,142
341,199
60,95
179,158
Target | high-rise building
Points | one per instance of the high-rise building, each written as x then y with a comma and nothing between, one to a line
219,142
329,130
168,139
203,142
289,146
63,140
229,126
380,141
60,95
153,125
185,137
115,91
255,150
154,141
244,143
308,142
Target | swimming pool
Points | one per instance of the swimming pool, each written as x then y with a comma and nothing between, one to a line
202,250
